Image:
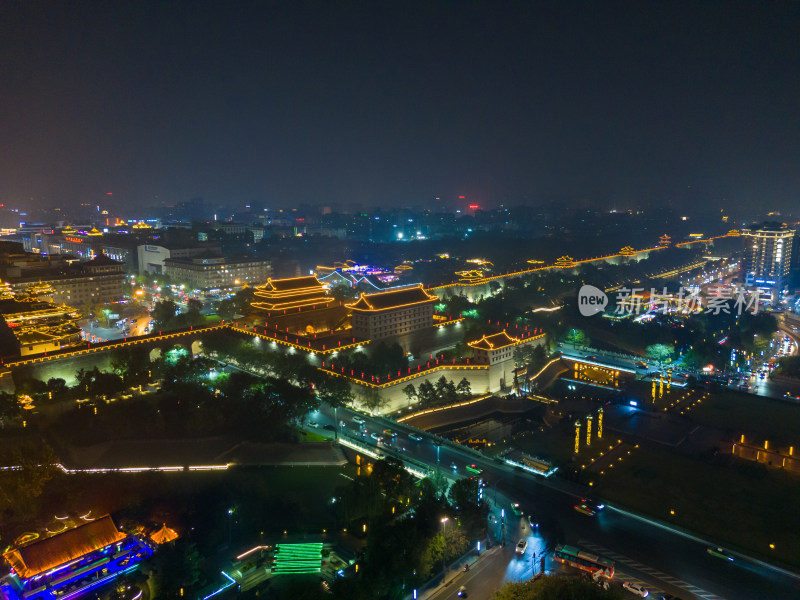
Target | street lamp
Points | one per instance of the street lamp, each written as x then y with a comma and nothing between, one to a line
444,545
230,525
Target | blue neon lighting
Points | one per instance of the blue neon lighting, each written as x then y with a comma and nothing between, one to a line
231,581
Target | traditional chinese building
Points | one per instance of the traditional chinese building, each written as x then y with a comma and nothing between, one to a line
292,293
299,305
392,313
491,349
497,351
71,563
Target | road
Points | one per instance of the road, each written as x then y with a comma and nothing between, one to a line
660,557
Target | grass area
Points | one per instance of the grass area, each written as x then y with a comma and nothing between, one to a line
763,418
738,503
312,436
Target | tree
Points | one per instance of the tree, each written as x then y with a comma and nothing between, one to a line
371,399
577,337
659,352
538,357
57,387
164,314
464,497
335,391
556,587
426,393
226,309
176,565
464,388
410,391
20,487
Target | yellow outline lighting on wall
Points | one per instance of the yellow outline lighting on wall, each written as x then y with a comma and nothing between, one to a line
363,303
495,341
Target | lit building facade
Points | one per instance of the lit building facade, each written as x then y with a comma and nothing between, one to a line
768,255
70,564
216,272
41,326
96,281
151,257
392,313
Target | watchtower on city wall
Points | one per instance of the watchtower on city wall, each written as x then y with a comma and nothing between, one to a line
490,371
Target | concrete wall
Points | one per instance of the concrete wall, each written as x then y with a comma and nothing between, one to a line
396,400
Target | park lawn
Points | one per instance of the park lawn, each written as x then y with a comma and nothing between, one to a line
312,436
755,416
736,503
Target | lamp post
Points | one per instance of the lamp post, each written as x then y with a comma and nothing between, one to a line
444,544
230,525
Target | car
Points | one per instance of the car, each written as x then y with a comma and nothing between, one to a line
522,545
454,466
636,588
790,396
462,592
585,509
719,553
376,436
390,433
314,424
641,364
515,509
591,503
668,597
359,420
474,469
415,437
329,428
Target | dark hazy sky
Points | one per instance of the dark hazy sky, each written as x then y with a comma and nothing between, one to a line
395,103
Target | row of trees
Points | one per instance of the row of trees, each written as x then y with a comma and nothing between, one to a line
444,391
167,315
406,539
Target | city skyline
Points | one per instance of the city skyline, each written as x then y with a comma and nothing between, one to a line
650,105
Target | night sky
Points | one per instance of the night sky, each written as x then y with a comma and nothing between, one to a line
396,103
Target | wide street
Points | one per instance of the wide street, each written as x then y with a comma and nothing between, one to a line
657,555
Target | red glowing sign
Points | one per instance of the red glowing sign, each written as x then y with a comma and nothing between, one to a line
473,207
461,197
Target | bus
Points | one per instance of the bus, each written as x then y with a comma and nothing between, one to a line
575,557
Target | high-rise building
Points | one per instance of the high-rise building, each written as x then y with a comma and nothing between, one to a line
768,255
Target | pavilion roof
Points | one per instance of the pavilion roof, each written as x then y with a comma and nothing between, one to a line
51,552
393,299
494,341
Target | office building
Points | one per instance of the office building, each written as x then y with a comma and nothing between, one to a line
768,255
208,273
